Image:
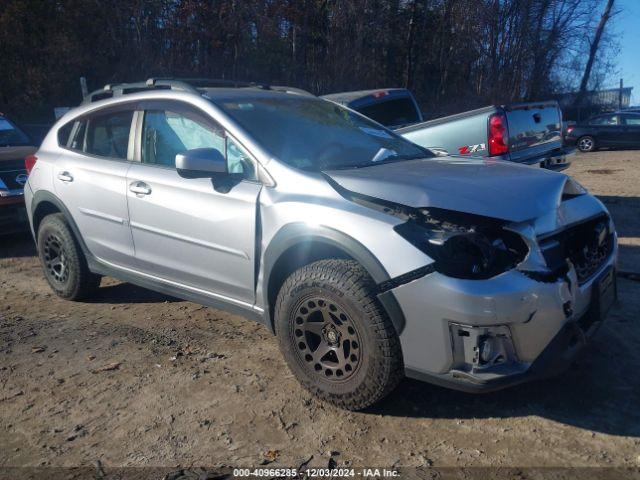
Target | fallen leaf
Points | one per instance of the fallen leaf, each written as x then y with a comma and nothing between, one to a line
37,349
107,368
91,357
272,455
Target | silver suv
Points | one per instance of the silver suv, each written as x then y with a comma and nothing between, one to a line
369,257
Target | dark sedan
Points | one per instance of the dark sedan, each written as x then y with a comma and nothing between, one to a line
607,130
15,147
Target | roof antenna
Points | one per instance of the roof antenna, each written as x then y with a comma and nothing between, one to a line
83,87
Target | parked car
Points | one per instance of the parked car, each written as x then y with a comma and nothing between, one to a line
391,107
609,130
15,146
369,257
527,133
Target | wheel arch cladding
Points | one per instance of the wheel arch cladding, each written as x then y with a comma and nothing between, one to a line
295,246
42,209
45,203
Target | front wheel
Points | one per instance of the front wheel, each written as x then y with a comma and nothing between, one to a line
335,335
586,144
63,262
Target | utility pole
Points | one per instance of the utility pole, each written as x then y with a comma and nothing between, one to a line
620,95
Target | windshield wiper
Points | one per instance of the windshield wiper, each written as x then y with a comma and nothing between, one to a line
389,159
398,158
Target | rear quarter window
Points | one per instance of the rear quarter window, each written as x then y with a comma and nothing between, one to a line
108,134
64,133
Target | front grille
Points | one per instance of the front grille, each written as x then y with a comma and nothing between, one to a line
9,178
586,245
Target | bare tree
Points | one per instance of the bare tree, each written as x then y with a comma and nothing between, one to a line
593,50
454,54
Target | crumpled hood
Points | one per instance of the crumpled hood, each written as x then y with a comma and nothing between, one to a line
486,187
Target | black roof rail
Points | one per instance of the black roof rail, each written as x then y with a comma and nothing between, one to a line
192,85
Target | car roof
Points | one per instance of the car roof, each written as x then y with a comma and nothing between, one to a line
346,97
212,88
217,94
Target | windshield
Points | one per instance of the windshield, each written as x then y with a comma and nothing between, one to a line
313,134
11,135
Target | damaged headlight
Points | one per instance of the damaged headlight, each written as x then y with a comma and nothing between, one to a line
464,245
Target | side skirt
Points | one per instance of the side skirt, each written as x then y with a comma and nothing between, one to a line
175,291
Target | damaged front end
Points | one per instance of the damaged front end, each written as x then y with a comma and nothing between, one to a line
464,245
583,247
500,303
520,269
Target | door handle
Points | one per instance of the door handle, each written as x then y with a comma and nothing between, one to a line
140,188
65,177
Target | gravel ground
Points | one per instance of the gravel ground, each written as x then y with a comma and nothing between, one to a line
134,378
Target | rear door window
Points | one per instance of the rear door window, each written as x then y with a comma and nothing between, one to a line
108,134
104,134
605,120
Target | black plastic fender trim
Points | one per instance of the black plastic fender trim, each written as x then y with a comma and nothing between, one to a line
44,196
298,233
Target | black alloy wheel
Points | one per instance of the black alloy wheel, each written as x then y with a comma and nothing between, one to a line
327,339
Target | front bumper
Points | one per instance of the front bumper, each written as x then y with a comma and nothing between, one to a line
13,214
540,327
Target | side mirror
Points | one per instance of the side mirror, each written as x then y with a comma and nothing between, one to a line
201,162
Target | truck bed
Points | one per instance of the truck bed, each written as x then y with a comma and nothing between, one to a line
535,133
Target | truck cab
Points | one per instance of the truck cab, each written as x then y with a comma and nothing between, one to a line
391,107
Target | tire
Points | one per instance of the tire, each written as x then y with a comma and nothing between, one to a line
335,335
586,143
63,262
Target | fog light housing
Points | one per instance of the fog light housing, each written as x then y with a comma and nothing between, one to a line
485,349
481,349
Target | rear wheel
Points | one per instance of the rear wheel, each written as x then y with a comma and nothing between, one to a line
586,144
335,336
63,262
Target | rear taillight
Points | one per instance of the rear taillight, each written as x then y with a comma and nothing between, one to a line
498,134
30,162
570,129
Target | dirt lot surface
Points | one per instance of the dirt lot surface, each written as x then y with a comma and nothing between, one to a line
134,378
